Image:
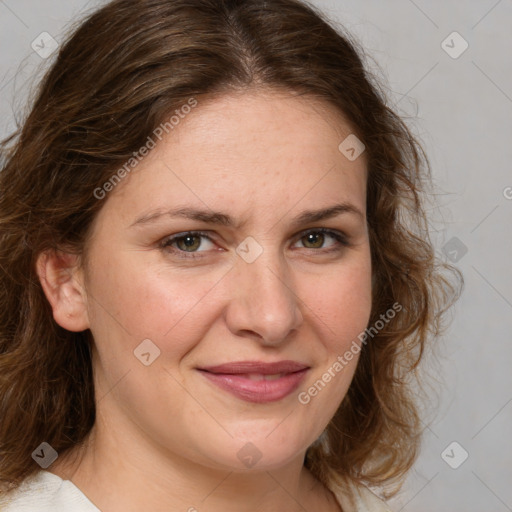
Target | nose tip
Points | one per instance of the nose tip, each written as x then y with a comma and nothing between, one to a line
264,304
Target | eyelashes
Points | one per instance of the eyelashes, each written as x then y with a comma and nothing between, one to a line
184,237
184,245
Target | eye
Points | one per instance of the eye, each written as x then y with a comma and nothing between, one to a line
316,238
189,242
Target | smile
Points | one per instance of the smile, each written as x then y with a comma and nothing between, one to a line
256,381
257,388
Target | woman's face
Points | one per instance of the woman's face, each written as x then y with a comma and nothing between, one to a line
211,253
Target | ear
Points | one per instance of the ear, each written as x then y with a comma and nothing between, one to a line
62,280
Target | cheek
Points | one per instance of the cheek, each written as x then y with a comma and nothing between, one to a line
341,303
135,302
340,306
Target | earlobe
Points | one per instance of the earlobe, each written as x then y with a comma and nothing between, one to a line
62,281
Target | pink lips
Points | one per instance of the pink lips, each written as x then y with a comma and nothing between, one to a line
246,379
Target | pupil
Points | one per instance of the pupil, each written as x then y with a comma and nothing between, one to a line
315,238
189,242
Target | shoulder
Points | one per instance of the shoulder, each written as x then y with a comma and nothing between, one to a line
45,492
358,498
370,501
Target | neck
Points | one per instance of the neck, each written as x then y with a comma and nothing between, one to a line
145,478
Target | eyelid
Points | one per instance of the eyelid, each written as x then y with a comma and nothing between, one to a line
165,243
341,237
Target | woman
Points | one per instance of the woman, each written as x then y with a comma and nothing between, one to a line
217,280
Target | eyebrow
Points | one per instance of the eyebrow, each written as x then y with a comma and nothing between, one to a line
223,219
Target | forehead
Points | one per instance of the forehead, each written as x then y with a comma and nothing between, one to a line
251,119
256,147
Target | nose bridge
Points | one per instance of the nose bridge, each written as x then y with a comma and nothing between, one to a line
264,300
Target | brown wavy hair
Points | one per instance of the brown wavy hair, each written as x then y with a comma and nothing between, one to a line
117,77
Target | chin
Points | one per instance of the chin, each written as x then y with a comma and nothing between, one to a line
262,450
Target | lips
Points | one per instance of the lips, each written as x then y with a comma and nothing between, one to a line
255,381
256,367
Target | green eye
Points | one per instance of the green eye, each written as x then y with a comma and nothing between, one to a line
315,239
192,244
188,243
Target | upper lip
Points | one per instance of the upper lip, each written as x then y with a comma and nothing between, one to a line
241,367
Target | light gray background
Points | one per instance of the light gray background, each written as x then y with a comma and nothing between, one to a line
462,110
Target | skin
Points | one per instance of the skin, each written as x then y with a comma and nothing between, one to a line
166,438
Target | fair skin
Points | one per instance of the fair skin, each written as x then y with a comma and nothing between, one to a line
165,437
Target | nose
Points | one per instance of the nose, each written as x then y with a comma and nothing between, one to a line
263,304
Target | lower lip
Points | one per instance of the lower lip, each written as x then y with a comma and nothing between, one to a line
258,391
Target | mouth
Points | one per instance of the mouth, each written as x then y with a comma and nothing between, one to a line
255,381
